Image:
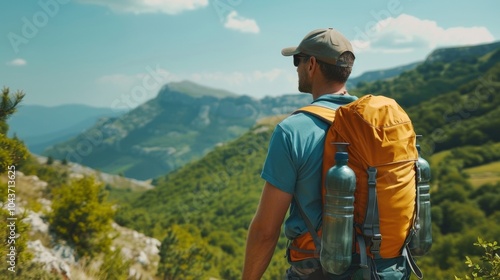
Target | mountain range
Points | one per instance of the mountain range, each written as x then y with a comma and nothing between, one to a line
182,123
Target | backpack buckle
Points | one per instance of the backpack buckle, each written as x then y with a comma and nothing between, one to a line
376,240
372,176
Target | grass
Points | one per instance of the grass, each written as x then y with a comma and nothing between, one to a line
27,191
484,174
436,158
478,175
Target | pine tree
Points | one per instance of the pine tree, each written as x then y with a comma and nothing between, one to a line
82,216
12,151
183,255
16,262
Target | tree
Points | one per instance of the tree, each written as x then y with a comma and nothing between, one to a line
16,262
488,266
12,151
82,216
114,266
8,106
183,255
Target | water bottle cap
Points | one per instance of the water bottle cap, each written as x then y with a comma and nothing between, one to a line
419,137
341,156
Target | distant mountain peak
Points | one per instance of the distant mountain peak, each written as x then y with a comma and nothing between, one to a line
450,54
195,90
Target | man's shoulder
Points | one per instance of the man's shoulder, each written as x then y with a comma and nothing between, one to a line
303,121
300,121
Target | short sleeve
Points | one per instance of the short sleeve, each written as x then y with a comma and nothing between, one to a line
279,167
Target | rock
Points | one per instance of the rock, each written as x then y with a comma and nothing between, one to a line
50,261
37,223
143,258
126,252
152,246
65,253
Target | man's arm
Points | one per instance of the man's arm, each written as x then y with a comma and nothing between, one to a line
264,231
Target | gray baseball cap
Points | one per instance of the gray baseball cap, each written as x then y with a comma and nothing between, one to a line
325,44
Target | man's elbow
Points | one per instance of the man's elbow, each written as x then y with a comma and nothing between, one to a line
264,233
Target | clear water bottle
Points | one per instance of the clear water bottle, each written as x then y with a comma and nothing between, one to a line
421,243
336,239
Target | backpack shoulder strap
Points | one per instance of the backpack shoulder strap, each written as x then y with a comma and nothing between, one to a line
324,113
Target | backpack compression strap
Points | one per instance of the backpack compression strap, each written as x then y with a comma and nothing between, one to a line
370,229
371,224
415,227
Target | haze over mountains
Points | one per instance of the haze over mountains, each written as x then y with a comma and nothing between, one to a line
41,126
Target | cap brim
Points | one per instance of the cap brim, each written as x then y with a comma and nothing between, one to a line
290,51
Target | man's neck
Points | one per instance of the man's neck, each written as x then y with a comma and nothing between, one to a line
338,89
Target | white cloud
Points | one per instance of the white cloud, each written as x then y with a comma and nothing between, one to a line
131,90
237,78
407,33
254,83
128,80
170,7
17,62
236,22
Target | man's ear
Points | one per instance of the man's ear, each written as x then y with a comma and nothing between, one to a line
313,63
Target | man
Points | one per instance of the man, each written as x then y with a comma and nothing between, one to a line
292,170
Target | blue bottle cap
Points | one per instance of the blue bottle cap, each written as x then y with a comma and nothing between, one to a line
341,156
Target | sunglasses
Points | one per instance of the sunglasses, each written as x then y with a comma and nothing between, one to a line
297,57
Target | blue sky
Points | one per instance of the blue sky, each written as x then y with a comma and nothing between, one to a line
118,53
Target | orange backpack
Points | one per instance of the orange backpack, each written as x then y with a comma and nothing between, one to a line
383,154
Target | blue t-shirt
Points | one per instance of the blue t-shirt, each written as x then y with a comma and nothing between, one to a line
294,162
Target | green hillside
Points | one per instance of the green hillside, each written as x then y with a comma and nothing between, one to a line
385,74
484,174
216,195
212,200
443,72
